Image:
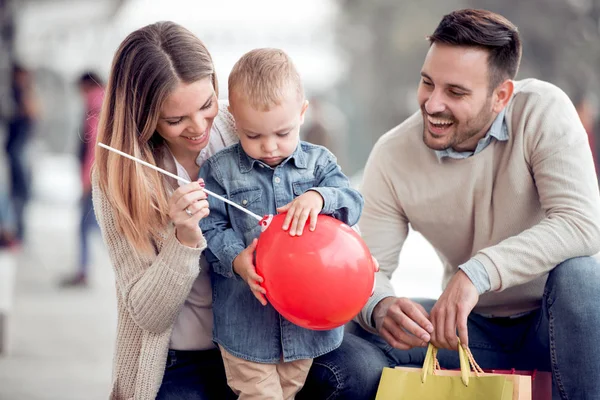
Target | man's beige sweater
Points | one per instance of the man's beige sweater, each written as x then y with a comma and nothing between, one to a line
519,207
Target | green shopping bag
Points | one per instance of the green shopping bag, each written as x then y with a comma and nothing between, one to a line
431,383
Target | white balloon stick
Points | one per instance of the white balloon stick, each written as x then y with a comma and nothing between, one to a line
162,171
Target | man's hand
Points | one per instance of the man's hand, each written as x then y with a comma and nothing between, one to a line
243,265
403,323
308,204
451,311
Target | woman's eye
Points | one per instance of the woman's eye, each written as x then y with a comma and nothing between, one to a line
207,105
175,122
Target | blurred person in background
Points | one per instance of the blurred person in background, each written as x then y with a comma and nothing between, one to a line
498,176
20,129
161,105
326,126
586,105
91,88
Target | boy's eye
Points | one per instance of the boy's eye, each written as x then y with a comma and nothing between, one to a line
252,137
283,134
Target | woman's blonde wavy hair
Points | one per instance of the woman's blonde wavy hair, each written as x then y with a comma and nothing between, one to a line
149,64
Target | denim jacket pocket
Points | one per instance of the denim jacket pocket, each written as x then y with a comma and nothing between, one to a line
249,198
300,187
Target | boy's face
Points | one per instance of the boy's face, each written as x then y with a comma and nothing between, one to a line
269,136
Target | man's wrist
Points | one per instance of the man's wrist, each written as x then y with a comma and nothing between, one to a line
380,310
478,275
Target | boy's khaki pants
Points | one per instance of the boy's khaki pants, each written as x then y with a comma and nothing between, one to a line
251,380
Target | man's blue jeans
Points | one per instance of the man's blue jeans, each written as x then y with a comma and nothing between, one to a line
563,336
350,372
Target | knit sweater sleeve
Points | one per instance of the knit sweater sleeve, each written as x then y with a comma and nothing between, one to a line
558,153
153,287
383,224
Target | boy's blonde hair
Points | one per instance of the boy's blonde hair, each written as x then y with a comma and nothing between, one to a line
263,77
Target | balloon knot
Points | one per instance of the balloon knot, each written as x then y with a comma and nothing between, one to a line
265,222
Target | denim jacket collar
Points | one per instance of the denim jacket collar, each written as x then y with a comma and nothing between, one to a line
247,163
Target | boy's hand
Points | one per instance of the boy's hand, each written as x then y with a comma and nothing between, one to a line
307,205
243,265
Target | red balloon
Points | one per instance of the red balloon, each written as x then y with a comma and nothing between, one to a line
319,280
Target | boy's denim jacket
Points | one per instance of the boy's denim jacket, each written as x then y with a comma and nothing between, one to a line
242,325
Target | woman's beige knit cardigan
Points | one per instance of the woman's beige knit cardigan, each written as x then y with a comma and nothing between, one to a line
150,292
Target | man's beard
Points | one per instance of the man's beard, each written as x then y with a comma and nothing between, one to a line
472,128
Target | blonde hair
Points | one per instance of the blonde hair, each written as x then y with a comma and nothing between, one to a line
264,77
148,65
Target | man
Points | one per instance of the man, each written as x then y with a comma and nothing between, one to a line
498,175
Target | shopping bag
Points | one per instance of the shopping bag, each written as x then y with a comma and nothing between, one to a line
432,383
541,382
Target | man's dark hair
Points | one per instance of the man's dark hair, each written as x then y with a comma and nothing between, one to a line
90,78
486,30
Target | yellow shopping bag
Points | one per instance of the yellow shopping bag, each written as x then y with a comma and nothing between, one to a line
431,383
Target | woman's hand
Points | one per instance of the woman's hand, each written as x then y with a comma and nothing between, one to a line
187,206
243,265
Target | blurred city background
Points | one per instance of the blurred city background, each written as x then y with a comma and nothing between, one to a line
360,61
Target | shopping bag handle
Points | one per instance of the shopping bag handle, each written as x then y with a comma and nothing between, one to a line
467,362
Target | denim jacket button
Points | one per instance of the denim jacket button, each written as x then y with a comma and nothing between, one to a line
277,179
244,202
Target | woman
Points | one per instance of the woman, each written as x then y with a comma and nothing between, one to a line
161,106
